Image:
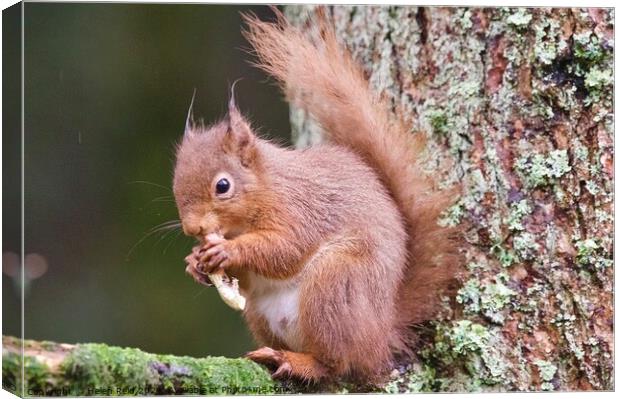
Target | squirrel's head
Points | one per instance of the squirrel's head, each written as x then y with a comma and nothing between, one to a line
216,177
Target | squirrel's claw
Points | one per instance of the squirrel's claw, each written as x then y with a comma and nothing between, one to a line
265,355
283,372
271,357
198,276
214,258
194,268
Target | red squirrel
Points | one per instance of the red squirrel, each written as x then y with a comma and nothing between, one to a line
336,247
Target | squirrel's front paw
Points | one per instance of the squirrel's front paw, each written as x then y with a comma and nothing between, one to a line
193,268
218,254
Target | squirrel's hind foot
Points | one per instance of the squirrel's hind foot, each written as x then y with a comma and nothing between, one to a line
290,365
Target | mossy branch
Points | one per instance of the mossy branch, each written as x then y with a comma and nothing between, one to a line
53,369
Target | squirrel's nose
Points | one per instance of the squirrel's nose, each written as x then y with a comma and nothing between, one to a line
192,229
199,226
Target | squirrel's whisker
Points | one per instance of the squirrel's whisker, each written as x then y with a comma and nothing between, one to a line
173,240
168,225
149,183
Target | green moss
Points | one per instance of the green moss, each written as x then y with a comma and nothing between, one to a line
11,372
130,371
101,370
97,365
39,380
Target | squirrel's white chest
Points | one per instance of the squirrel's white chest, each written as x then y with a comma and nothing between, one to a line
278,302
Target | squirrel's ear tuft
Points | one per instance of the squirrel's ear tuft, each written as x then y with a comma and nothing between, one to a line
239,139
232,105
189,121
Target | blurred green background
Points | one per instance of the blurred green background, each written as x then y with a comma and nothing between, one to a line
107,87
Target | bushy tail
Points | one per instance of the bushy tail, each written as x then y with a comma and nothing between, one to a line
320,76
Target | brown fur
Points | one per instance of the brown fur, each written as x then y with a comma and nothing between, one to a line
352,223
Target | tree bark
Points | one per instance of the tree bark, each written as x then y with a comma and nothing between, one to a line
517,105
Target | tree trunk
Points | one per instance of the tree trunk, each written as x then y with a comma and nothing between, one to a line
517,104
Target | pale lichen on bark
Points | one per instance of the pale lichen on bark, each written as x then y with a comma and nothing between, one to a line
517,103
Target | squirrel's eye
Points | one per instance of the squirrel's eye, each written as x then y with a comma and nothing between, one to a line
222,186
